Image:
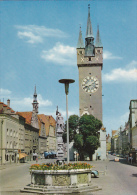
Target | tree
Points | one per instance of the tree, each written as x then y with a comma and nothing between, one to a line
78,144
89,127
73,127
85,133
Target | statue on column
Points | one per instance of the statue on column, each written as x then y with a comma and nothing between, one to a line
59,134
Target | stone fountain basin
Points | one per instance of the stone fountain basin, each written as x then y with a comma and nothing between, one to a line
66,178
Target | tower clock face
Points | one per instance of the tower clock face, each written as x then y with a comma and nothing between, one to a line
90,84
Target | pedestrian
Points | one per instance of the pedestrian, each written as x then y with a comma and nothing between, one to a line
36,159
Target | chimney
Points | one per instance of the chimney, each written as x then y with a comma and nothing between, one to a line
8,103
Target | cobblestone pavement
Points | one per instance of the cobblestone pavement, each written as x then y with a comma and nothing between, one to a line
108,179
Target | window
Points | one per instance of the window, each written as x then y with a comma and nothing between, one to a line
11,132
7,132
10,144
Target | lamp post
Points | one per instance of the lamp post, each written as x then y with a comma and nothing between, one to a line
67,82
1,141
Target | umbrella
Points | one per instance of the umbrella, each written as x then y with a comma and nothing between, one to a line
22,155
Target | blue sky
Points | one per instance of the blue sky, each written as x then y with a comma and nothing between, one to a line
38,47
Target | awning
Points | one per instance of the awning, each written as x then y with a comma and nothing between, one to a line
22,155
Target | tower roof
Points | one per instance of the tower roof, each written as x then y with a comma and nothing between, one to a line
89,32
80,43
98,42
35,93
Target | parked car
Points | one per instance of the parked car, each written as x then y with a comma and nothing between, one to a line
94,173
116,159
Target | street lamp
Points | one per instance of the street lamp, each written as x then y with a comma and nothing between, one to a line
136,123
1,141
67,82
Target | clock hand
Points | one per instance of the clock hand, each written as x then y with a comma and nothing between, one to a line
89,83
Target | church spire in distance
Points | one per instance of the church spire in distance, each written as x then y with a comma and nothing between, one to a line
80,43
35,94
35,103
98,39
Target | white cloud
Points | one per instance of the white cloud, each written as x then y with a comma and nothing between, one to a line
109,56
132,64
63,113
60,54
43,102
122,75
32,38
4,92
35,34
28,102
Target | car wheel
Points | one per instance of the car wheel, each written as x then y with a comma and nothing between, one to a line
92,175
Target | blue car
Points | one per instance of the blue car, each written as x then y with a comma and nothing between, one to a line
94,173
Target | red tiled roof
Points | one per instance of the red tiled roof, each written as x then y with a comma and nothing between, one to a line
51,120
113,132
26,115
103,129
48,120
4,107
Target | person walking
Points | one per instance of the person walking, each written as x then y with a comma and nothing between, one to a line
36,159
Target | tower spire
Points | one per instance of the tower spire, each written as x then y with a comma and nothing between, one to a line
80,43
89,32
89,39
98,42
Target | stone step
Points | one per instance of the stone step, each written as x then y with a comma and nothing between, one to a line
64,190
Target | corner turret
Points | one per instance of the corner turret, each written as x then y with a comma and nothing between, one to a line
98,42
80,40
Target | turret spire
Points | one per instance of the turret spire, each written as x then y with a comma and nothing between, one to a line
80,43
98,39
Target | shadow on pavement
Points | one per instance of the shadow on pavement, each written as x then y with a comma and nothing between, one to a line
134,175
123,161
